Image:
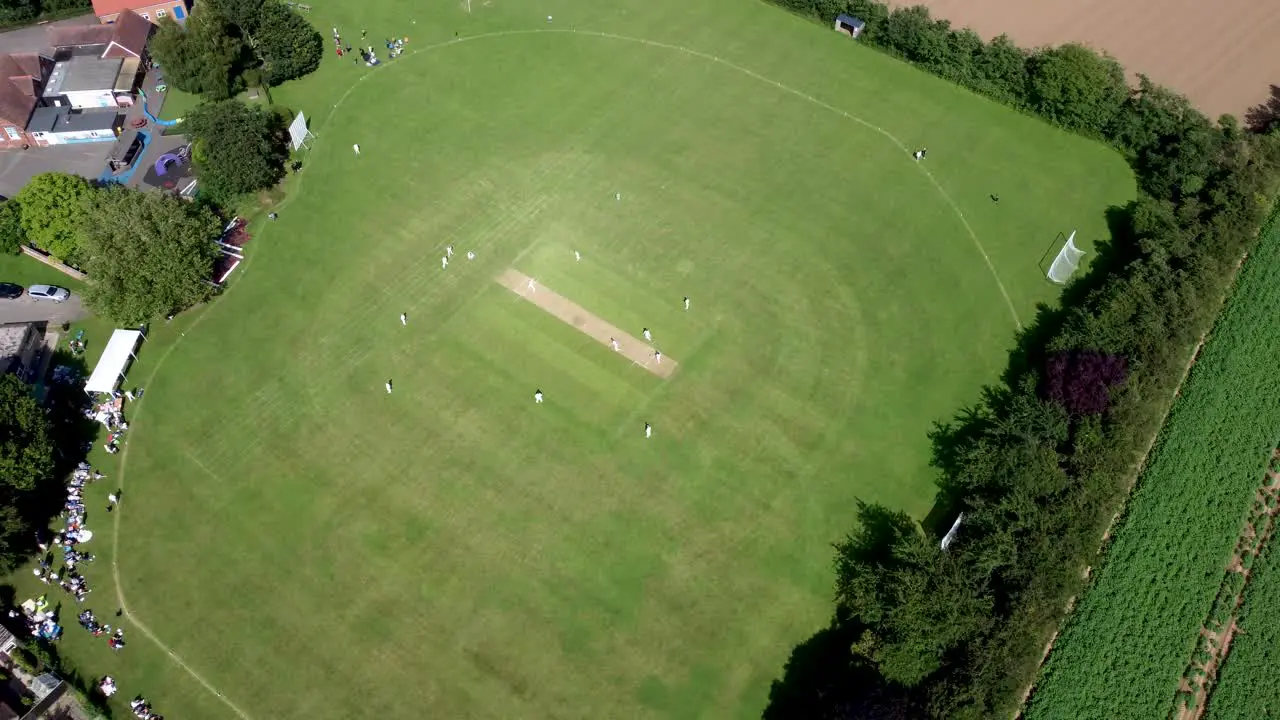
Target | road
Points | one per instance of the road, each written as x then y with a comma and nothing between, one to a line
24,309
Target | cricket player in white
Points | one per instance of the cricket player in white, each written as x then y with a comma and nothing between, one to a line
448,251
614,343
388,387
648,431
686,302
657,357
471,255
647,335
531,286
356,147
444,262
404,319
537,396
577,256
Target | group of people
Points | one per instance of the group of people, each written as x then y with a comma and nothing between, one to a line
41,621
97,629
142,709
395,48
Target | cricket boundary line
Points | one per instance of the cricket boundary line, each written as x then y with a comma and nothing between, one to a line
562,308
115,530
986,258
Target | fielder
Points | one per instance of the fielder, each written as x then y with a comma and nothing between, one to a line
648,337
686,303
404,319
648,431
471,255
537,397
444,262
577,256
356,147
388,387
448,251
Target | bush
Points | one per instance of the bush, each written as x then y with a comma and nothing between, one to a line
1043,462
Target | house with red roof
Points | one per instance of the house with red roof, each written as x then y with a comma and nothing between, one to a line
108,11
22,81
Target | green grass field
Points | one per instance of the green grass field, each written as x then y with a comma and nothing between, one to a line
314,548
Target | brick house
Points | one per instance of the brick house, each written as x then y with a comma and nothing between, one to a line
108,11
22,81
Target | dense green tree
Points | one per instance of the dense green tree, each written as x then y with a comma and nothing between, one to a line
16,11
1077,88
26,465
150,254
202,58
245,15
53,212
237,148
12,236
287,44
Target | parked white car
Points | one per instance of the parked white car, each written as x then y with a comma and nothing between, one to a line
48,292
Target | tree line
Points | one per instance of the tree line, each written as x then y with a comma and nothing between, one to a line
15,12
1043,462
232,44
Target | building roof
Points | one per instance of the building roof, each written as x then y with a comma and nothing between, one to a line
130,38
12,340
850,20
111,7
62,119
61,36
21,75
80,74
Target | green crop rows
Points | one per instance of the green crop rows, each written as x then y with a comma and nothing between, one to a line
1125,649
1246,686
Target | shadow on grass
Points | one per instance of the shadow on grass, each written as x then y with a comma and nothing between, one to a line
41,656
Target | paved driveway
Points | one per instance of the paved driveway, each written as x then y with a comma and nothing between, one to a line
18,166
24,309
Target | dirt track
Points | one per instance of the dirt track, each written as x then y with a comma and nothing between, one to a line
1223,55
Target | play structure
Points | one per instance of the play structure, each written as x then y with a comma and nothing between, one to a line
146,110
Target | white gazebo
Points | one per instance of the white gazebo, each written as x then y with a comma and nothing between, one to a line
115,358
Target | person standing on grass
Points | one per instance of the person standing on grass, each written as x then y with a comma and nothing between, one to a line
648,431
356,147
537,396
577,256
448,251
647,336
404,319
388,387
444,262
471,255
686,303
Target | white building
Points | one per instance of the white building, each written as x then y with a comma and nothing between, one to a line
64,126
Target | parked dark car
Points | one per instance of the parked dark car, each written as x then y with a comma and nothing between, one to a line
9,291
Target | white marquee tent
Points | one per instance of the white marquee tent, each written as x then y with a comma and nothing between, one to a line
115,358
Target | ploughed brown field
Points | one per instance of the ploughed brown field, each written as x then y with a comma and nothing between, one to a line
1223,55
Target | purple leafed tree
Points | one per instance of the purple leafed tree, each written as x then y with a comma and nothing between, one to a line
1081,381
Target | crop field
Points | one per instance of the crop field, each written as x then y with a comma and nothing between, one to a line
297,542
1246,686
1133,633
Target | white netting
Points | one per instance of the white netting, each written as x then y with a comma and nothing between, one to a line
1067,261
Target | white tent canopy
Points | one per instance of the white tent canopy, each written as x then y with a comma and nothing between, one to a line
106,376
